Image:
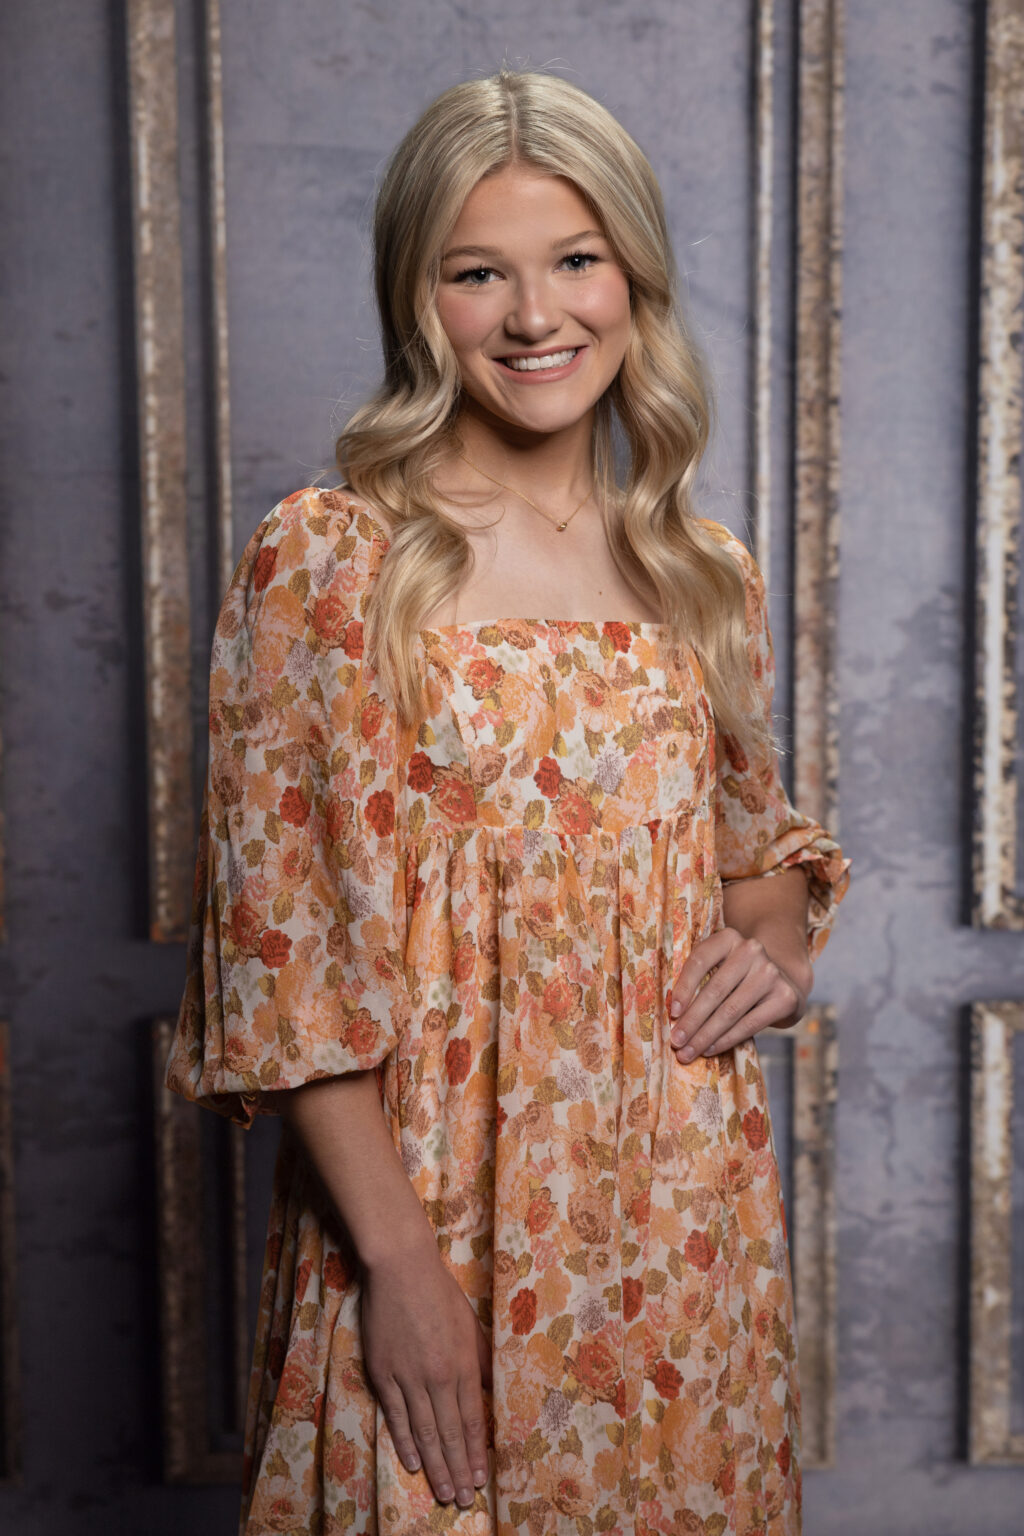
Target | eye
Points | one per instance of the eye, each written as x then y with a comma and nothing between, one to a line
580,256
477,277
469,275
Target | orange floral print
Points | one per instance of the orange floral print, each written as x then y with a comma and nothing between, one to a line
491,909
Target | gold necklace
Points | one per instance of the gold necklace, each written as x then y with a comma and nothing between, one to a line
561,527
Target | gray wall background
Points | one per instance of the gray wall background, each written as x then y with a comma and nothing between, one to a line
316,94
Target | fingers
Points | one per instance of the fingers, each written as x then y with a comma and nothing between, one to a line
748,993
429,1379
454,1453
722,1012
392,1400
703,957
440,1424
759,1018
474,1427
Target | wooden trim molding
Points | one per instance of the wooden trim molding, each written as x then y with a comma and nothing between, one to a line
816,413
814,1230
183,1248
160,364
10,1404
815,514
994,1026
764,207
819,204
996,898
220,378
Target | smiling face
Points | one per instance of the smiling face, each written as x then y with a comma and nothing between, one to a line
533,301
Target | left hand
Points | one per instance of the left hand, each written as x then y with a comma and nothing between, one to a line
747,992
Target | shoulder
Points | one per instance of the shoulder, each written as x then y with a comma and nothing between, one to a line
734,546
303,578
314,547
755,598
755,592
327,533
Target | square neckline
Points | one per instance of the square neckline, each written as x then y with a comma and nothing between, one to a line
443,629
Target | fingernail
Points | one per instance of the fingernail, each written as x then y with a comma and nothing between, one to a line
688,1054
678,1038
466,1496
446,1491
413,1464
479,1477
676,1009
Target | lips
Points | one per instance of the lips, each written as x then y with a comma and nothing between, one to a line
553,363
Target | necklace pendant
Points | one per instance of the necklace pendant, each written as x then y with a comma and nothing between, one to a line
562,526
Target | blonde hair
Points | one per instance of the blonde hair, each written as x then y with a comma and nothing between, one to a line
390,449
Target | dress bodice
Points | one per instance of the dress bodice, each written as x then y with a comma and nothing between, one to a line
568,725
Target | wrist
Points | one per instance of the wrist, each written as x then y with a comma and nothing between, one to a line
406,1246
785,943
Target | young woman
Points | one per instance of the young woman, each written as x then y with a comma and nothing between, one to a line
481,905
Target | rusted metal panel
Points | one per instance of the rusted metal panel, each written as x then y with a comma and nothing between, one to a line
160,363
997,901
991,1440
183,1247
814,1230
10,1405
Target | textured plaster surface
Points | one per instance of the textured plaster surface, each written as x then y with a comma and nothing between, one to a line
316,94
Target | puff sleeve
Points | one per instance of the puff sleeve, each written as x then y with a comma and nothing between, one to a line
757,829
295,964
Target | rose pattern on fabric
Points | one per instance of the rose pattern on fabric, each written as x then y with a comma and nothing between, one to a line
490,908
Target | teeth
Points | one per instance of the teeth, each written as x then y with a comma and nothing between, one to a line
534,364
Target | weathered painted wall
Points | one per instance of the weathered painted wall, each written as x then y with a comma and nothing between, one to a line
316,94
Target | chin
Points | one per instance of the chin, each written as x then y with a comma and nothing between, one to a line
551,420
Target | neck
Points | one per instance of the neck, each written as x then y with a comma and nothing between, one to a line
550,467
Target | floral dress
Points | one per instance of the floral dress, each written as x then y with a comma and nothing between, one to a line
491,908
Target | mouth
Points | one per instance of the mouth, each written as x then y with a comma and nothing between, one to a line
533,365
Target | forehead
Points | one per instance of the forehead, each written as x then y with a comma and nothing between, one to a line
521,200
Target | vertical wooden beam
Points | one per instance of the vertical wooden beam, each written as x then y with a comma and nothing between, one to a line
816,416
190,1455
219,372
3,903
764,153
996,899
818,199
993,1027
10,1406
814,1229
159,334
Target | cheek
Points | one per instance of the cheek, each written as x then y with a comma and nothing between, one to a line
607,303
464,320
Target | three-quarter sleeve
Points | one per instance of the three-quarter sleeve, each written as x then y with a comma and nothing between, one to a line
757,829
295,967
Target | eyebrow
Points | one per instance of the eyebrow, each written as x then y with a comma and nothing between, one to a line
490,250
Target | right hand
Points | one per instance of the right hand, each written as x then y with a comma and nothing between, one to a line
428,1359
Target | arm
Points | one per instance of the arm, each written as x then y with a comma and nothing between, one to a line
774,910
754,973
339,1122
782,877
425,1351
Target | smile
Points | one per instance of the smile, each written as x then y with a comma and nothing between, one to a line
555,364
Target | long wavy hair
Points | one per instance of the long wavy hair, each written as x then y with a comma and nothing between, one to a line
390,449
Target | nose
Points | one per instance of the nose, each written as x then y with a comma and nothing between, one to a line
535,312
